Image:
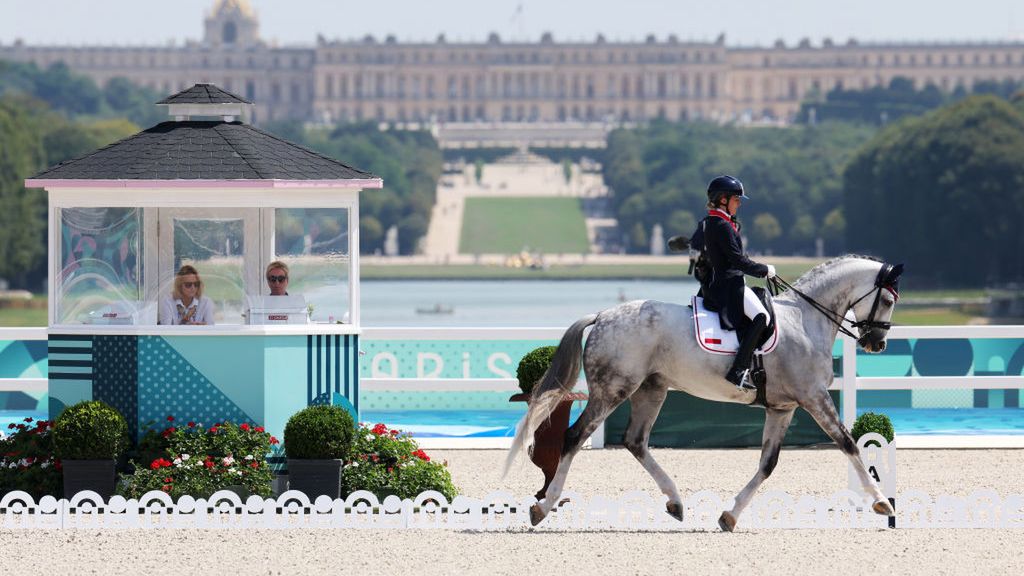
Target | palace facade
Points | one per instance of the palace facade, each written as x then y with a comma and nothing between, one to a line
546,81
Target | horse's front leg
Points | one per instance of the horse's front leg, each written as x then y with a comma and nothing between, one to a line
776,422
820,407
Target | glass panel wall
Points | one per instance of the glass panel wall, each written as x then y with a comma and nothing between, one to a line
100,255
314,243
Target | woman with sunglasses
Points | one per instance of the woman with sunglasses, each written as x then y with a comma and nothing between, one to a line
187,305
277,278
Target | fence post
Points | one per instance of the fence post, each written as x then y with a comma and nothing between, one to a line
849,384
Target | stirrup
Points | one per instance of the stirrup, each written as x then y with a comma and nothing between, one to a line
744,380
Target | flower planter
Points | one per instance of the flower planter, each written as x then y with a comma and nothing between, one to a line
550,437
315,477
95,475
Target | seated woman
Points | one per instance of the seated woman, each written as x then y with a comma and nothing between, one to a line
187,305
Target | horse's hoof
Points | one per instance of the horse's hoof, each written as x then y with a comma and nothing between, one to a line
675,510
536,514
884,508
726,522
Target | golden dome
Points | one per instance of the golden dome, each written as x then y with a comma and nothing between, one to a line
243,6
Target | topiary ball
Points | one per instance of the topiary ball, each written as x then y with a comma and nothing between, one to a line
319,433
533,366
870,422
90,430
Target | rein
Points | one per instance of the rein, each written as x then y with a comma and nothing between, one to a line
883,281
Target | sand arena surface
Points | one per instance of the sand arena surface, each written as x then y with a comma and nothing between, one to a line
608,472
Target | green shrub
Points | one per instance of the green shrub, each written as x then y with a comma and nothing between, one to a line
187,458
27,462
533,366
319,433
388,462
871,422
90,430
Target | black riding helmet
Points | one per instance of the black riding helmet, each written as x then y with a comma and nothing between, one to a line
727,186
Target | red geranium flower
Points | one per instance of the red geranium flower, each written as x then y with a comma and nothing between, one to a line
29,419
380,429
259,429
421,455
170,418
244,427
274,440
191,424
168,480
165,488
254,464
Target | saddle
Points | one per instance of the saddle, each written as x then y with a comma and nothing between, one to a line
711,337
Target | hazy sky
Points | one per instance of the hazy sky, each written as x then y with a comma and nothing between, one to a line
745,22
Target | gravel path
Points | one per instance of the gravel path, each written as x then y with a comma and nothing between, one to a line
607,472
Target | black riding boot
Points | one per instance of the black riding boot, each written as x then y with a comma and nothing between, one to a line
745,355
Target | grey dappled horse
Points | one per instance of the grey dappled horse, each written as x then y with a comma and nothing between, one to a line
639,350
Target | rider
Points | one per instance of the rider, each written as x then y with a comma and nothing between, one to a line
725,291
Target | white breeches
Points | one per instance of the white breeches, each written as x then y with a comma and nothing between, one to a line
752,306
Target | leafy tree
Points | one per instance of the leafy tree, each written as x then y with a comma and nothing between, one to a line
766,228
943,193
22,212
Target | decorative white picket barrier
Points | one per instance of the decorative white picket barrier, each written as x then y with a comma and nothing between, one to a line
500,511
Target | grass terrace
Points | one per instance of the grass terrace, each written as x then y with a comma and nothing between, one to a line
508,225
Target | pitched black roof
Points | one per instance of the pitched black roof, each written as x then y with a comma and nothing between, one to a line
206,150
204,94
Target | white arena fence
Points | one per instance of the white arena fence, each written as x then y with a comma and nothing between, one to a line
498,341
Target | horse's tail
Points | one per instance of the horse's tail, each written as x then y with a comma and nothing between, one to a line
559,379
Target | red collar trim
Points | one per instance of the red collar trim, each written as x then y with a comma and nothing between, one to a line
719,214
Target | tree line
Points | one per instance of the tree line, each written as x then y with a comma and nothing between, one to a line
659,175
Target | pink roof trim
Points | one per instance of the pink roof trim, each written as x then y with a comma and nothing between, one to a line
351,183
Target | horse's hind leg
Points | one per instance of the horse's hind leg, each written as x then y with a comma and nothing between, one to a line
645,404
824,412
776,422
599,406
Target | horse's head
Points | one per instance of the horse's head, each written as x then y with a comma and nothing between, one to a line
873,304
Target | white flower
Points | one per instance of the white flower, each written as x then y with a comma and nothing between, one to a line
354,465
44,465
369,437
227,461
177,462
248,456
185,456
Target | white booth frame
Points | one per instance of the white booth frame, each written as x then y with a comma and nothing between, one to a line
272,195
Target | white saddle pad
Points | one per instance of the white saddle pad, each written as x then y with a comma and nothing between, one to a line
712,338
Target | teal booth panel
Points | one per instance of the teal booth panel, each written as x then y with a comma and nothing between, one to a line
23,358
686,421
204,379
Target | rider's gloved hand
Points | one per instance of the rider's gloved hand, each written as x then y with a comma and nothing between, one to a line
771,272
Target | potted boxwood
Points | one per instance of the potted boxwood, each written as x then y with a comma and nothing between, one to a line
88,438
550,436
317,440
871,422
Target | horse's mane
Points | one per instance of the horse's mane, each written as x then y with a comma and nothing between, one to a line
815,274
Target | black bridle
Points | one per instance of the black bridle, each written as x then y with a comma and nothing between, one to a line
887,279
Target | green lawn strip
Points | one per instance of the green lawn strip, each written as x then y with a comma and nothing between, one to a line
508,225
